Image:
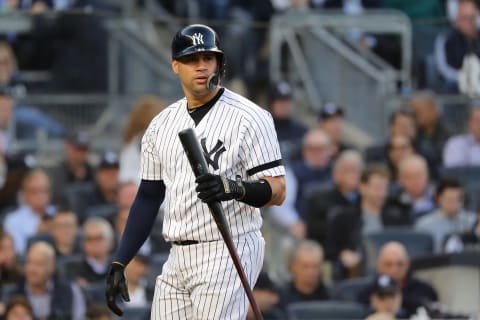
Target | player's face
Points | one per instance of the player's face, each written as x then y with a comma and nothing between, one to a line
194,70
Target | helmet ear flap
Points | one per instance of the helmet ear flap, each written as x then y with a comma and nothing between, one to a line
220,64
214,79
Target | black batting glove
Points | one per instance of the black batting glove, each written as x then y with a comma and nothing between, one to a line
116,286
212,188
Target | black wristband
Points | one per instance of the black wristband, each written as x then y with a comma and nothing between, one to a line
257,193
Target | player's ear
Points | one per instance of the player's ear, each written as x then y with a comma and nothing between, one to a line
175,66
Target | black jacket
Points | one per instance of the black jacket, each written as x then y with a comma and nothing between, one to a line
457,47
292,295
319,205
84,270
62,299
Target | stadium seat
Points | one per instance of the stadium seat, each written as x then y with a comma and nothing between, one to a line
350,289
326,310
417,243
137,313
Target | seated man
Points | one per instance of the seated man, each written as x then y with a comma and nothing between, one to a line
348,224
450,217
413,196
451,48
393,260
464,149
289,131
64,233
75,168
51,297
347,170
32,216
305,265
386,298
98,240
330,120
100,198
432,131
314,168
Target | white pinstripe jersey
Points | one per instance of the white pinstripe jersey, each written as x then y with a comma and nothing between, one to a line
237,137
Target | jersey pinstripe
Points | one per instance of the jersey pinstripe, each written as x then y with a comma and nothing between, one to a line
238,137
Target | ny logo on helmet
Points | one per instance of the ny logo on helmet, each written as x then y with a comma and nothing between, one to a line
197,39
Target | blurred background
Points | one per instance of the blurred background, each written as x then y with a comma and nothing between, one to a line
376,104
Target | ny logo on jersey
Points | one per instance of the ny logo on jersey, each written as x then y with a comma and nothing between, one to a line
216,152
197,39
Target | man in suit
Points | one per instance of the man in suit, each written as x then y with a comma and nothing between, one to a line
346,176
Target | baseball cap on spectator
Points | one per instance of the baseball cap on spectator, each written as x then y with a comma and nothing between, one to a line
109,160
385,285
281,90
79,138
329,110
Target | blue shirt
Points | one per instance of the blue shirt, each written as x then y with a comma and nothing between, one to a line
21,224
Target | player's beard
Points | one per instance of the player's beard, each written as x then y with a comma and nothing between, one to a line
199,89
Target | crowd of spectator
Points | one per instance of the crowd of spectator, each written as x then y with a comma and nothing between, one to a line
60,223
340,194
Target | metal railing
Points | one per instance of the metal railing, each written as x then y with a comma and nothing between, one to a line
321,65
329,68
135,68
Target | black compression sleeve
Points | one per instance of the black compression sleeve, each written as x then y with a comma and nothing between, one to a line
257,193
140,220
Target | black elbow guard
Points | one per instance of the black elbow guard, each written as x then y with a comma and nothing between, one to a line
257,193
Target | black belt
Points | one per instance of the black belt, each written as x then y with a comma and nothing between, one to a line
185,242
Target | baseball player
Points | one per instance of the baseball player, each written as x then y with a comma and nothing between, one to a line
199,279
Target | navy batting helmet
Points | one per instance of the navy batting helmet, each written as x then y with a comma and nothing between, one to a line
195,38
199,38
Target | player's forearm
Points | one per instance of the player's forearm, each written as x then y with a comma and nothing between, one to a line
278,186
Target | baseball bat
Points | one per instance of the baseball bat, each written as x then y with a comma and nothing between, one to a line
199,167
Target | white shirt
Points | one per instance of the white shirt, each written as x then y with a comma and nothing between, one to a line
130,162
21,224
286,215
461,150
240,139
138,298
439,225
